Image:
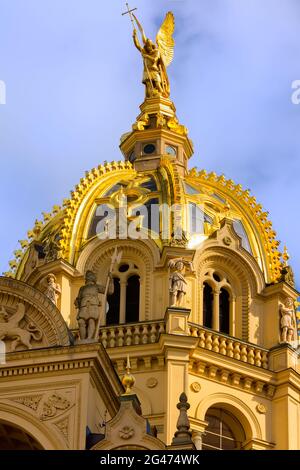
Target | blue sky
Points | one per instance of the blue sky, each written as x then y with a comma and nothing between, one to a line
73,87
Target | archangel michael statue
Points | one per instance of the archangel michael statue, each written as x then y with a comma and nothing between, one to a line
156,57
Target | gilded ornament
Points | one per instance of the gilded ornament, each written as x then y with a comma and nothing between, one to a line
156,57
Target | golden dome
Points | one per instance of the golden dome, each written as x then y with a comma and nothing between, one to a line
205,198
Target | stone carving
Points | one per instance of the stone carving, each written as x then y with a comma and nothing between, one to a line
53,290
179,239
196,387
63,426
227,241
261,408
29,401
287,275
126,432
177,281
53,405
287,321
10,329
88,304
152,382
51,247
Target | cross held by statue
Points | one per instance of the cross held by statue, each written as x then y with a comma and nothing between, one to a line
129,12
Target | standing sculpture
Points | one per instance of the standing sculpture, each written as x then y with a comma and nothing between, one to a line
53,290
88,304
177,281
156,57
287,321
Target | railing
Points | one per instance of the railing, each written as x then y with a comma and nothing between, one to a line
229,346
148,333
131,334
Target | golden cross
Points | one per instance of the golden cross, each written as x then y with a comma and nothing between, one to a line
129,12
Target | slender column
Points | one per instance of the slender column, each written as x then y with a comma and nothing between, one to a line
201,306
216,310
123,285
232,315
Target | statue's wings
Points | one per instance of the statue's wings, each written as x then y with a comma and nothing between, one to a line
18,316
165,39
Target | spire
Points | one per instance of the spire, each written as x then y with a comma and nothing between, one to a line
157,133
183,435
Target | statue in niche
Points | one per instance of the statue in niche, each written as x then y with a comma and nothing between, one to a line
10,329
88,304
177,281
53,290
287,321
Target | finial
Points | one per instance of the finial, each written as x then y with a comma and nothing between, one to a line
183,435
128,380
285,256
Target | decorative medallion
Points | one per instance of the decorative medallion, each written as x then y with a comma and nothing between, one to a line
262,409
151,382
126,433
195,387
227,241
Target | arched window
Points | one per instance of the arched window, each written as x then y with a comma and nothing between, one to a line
112,316
224,431
224,306
218,307
207,305
124,303
132,299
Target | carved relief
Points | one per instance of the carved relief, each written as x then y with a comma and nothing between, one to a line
261,408
126,432
63,426
195,387
10,328
54,405
152,382
31,401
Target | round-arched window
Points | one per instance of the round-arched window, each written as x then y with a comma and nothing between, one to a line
224,431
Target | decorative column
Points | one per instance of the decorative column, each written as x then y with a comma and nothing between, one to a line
232,315
123,285
216,310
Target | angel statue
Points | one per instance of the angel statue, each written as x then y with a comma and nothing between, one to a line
156,57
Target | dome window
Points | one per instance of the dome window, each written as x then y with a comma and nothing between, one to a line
171,150
241,232
149,149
